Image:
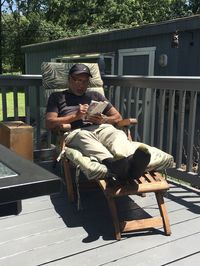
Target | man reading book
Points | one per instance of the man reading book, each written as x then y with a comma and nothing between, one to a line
94,134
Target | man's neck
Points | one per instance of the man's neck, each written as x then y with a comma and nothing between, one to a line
71,92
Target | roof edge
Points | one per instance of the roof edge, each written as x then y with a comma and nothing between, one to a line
128,32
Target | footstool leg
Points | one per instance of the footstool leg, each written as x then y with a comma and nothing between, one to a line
114,214
163,212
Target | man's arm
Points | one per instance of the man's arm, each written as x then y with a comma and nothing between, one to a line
53,121
112,116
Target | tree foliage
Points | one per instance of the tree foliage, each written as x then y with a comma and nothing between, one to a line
24,22
32,21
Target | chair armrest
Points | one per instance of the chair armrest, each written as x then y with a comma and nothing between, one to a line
62,128
65,127
127,122
59,132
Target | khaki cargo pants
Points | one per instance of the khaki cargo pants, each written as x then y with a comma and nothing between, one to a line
105,141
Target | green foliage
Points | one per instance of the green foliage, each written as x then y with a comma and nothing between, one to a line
32,21
179,8
194,6
21,30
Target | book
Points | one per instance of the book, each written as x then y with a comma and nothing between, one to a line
96,107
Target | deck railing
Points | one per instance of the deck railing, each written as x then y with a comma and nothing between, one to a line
31,85
166,108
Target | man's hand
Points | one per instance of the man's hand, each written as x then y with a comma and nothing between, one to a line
81,113
97,119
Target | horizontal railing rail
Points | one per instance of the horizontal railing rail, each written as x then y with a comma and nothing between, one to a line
166,109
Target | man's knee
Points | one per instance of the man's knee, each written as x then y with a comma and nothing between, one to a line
85,134
116,141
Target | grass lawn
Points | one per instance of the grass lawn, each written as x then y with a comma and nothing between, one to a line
10,105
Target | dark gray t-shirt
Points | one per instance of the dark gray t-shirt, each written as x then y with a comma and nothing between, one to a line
65,103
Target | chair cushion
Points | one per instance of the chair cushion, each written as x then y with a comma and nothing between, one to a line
94,170
88,165
55,76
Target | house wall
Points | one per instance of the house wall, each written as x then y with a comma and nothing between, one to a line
182,61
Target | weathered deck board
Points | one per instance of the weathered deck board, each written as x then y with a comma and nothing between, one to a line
50,231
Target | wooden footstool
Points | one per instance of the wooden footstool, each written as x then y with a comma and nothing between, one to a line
151,182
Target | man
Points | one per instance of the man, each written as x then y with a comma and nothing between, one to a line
94,135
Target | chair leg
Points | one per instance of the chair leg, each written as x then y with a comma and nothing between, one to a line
68,180
163,212
114,214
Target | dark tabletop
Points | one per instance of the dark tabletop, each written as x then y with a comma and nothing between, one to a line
31,179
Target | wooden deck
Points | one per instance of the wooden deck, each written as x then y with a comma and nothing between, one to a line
50,231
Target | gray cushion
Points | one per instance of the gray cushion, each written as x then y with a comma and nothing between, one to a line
55,76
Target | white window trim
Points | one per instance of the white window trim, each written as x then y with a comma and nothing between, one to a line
150,51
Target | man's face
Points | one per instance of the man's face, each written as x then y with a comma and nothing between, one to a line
78,84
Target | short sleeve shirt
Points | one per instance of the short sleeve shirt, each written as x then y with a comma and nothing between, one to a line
65,103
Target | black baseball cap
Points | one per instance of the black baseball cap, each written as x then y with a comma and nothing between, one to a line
79,69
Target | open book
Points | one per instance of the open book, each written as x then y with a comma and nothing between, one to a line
96,107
